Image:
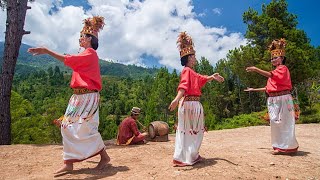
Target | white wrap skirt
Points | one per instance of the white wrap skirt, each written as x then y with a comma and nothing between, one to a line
189,133
282,122
79,128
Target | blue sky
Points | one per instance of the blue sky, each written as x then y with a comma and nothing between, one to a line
232,10
308,13
144,32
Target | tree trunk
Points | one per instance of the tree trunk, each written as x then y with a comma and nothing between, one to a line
16,13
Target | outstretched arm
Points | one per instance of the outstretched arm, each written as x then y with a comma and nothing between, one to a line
175,102
260,71
255,89
215,76
43,50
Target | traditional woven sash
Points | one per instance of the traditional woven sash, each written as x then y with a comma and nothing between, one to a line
279,93
83,91
192,98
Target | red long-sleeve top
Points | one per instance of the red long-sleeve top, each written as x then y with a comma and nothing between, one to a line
280,80
191,82
86,70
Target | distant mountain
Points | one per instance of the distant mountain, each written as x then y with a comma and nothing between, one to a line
28,63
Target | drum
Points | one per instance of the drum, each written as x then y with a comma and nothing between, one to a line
158,128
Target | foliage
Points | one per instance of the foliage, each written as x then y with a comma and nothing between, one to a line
27,126
311,115
242,120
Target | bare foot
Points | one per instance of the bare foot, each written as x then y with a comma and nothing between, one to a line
65,168
276,152
105,159
178,164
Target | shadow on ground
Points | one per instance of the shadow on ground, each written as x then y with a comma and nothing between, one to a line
108,171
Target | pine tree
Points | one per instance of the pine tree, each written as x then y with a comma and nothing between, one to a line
16,13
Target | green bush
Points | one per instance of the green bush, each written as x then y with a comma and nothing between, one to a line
311,115
243,120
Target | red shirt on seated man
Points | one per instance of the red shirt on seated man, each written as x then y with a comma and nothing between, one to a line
128,132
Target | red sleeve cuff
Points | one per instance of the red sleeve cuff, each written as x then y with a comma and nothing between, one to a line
182,87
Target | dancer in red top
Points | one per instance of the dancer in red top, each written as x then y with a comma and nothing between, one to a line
190,129
79,125
280,103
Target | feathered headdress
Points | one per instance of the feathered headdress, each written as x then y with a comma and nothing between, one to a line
185,44
277,47
93,25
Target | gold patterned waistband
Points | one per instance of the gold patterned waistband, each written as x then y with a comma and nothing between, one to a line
83,91
192,98
279,93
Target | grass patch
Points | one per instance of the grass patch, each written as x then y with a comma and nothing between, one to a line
243,120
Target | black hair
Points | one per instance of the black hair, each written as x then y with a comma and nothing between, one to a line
184,59
284,60
94,41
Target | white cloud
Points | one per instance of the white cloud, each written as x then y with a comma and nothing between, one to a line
203,13
133,28
217,11
3,16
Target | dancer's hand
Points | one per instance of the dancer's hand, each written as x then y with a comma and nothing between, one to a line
38,50
249,89
57,122
173,105
175,126
218,77
251,69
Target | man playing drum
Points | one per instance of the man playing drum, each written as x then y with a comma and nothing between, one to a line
128,132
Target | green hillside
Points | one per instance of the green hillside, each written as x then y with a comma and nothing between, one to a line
27,63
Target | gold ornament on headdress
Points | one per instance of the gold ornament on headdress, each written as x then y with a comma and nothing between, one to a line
185,44
93,25
277,48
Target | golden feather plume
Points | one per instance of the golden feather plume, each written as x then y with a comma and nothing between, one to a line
278,44
184,40
96,23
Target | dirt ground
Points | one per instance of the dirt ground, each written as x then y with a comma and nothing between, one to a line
243,153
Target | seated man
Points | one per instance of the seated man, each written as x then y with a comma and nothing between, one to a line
128,130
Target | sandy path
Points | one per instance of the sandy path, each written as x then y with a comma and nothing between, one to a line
242,153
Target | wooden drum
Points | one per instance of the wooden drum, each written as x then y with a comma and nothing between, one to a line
158,128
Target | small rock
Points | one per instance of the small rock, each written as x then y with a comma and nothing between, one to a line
177,173
272,164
